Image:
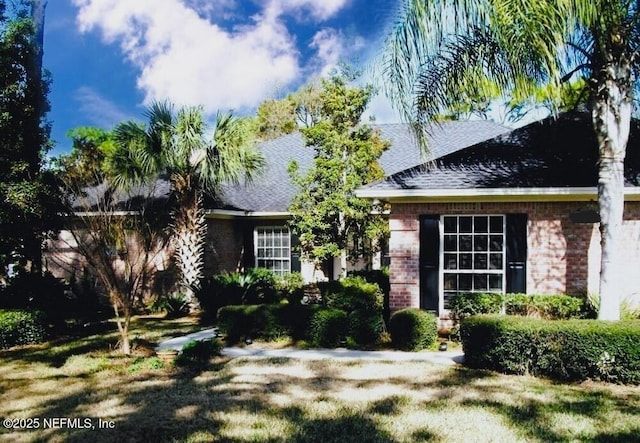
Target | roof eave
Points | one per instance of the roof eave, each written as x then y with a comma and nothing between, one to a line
490,194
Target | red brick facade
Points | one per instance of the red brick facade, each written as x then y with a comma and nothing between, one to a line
562,255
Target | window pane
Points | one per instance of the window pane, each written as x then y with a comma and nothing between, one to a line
451,261
285,252
495,243
269,241
450,243
450,282
496,223
466,242
465,224
480,282
465,261
450,224
480,243
285,239
495,282
480,224
277,241
260,241
495,261
464,282
480,261
260,252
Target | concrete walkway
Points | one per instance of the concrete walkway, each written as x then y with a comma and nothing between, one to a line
255,351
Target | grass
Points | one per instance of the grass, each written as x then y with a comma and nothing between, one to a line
294,401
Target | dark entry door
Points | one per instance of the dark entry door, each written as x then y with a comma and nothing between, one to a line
429,262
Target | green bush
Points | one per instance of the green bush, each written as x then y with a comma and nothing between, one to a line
290,287
267,322
559,349
361,301
327,327
553,307
21,328
412,329
381,278
198,352
465,305
255,286
174,305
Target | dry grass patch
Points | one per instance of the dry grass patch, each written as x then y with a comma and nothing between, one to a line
297,401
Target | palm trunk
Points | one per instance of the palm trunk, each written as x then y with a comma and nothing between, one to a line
611,114
190,231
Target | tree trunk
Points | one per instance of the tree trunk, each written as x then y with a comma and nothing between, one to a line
190,231
123,328
611,114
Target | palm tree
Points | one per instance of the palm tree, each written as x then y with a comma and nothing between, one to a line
440,50
175,145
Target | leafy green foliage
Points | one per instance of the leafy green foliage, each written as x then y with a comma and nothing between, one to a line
198,352
266,321
174,305
327,327
553,307
559,349
465,305
21,328
29,197
254,286
326,215
413,329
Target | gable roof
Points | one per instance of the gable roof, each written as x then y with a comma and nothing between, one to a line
273,190
554,153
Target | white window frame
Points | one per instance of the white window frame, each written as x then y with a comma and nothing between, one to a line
285,260
471,271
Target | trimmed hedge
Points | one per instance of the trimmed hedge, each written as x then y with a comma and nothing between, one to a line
571,350
361,301
413,329
21,328
327,327
553,307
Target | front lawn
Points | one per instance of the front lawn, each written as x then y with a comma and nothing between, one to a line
284,400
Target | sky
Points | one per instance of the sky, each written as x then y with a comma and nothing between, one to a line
110,58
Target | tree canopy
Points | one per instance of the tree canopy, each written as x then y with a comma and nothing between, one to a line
326,215
28,195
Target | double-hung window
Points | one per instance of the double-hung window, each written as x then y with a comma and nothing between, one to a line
273,249
473,254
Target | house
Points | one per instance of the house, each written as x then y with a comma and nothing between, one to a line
514,213
247,227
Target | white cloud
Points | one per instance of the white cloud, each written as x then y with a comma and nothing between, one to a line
185,56
318,9
100,111
189,60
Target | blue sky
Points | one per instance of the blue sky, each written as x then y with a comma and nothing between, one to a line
108,58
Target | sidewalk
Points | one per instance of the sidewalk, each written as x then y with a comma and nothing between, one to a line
254,351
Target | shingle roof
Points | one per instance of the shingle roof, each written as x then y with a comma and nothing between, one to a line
560,152
272,191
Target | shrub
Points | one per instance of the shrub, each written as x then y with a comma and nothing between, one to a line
35,292
198,352
174,305
327,327
381,278
554,307
268,321
413,329
290,287
559,349
465,305
255,286
21,328
361,301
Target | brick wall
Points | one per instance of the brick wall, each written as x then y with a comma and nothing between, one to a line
563,256
224,246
